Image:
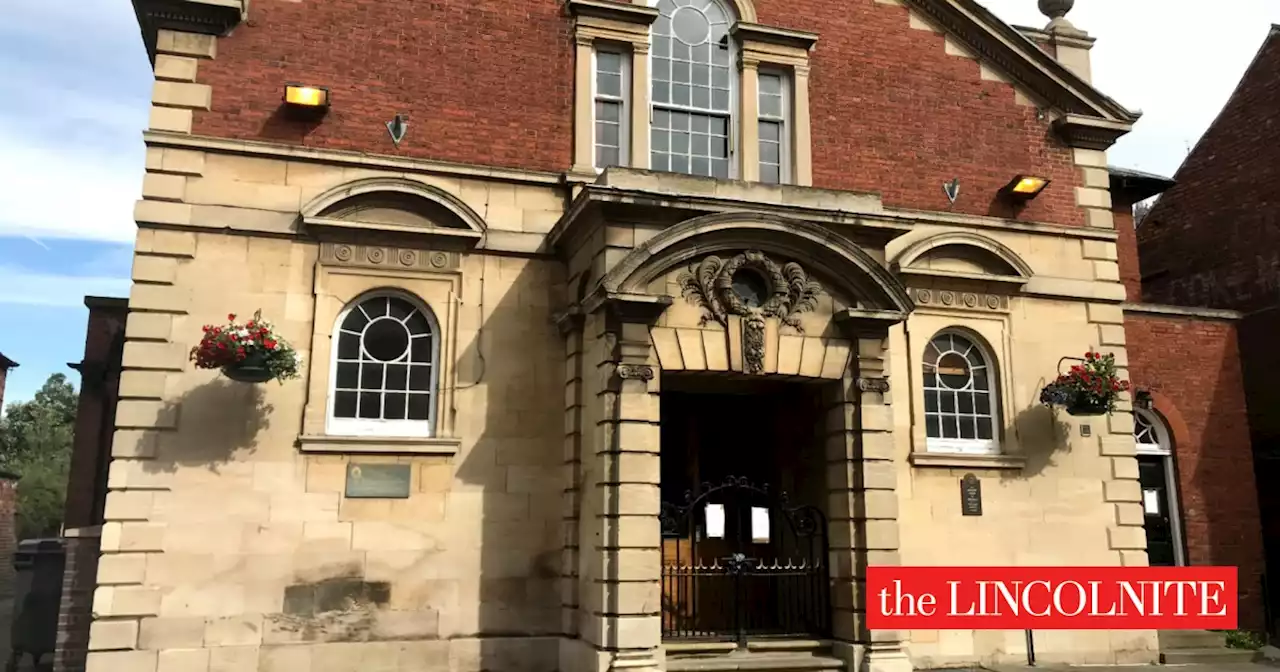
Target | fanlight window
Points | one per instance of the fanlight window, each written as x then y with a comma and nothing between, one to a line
384,373
1149,434
959,396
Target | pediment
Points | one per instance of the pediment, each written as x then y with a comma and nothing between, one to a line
395,206
1006,48
963,256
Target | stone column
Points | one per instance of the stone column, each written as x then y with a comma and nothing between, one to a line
863,501
620,566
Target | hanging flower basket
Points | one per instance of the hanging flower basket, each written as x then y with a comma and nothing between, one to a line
1088,389
248,353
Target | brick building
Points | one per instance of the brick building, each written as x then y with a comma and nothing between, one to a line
5,365
534,317
1212,240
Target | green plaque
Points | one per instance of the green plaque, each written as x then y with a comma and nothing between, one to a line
383,481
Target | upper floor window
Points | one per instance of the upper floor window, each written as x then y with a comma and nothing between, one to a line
959,396
692,88
385,356
612,122
773,107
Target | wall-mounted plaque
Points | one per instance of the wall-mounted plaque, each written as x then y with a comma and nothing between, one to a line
970,495
381,481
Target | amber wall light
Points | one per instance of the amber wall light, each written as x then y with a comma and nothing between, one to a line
1025,187
306,99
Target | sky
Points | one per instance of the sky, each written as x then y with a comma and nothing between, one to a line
76,89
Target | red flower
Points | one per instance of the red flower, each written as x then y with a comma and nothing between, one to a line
231,317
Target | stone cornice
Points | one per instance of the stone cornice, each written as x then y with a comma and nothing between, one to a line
1012,52
1090,132
1182,311
206,17
612,10
782,37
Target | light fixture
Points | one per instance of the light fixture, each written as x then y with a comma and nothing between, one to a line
1025,187
311,100
1142,399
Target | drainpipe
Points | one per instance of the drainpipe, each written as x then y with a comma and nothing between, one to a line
1031,649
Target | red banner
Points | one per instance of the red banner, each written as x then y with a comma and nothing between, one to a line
1051,598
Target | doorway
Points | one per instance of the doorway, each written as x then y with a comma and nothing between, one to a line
1157,477
743,492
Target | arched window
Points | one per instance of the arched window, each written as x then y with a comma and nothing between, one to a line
693,88
1150,433
959,396
385,351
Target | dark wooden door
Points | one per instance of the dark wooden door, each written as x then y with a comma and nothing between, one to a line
1153,477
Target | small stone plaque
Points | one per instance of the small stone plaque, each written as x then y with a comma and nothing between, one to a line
970,495
378,481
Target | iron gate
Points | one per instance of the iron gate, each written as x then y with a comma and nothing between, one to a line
747,581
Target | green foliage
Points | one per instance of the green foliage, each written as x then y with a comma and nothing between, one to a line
35,443
1244,639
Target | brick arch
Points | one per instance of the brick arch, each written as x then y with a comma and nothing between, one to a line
1164,407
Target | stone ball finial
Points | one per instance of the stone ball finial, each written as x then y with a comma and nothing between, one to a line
1056,9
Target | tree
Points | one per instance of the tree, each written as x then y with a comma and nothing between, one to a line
35,443
1141,210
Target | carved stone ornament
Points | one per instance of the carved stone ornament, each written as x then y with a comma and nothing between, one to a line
788,291
635,372
880,385
380,256
963,300
752,286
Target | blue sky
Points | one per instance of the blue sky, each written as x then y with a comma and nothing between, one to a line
76,88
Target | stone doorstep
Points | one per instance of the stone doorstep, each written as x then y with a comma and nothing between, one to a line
773,655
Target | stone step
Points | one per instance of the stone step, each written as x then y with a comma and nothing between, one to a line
773,661
1191,639
1202,656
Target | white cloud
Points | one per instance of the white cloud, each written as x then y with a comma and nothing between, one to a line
21,286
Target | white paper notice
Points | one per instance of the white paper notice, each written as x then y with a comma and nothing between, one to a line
715,521
759,525
1151,502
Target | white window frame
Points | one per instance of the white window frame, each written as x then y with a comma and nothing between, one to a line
735,99
1164,450
335,426
785,121
968,446
624,119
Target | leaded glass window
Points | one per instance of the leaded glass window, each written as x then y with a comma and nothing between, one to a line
692,88
959,396
384,373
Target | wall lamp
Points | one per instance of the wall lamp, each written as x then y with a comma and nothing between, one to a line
1025,187
310,101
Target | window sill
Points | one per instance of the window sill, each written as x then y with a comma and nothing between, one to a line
385,445
967,461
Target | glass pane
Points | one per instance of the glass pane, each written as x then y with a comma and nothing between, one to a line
680,94
680,143
966,402
418,324
680,72
679,164
948,400
719,126
984,428
770,130
419,407
661,119
980,382
375,307
720,55
930,380
930,401
701,166
662,69
348,346
662,46
690,26
702,97
699,144
771,84
701,53
966,428
394,408
400,309
661,92
420,378
607,134
679,121
344,405
659,161
699,123
370,405
397,376
770,106
608,111
931,427
720,168
371,376
720,77
355,320
609,85
769,152
386,340
720,100
719,147
606,156
982,403
770,174
659,139
422,350
348,375
949,428
680,51
609,61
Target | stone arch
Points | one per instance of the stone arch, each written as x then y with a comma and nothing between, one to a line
394,203
994,257
850,270
745,9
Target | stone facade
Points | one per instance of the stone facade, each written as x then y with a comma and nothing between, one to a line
560,304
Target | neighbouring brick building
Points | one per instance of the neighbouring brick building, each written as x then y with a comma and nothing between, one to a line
5,365
8,502
559,267
1213,240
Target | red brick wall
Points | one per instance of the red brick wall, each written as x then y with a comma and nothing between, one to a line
1214,239
8,533
491,82
1127,249
1192,367
4,374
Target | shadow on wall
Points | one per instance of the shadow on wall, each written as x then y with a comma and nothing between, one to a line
513,373
224,415
1041,435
